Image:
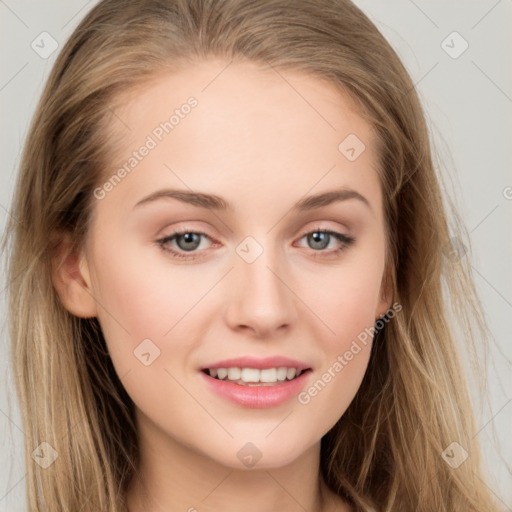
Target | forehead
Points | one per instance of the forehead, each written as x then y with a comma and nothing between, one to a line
253,130
236,90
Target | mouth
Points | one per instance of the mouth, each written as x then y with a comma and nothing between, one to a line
247,376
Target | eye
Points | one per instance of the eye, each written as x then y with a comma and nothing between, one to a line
319,239
186,240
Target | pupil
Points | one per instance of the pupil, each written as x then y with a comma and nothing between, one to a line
318,235
189,239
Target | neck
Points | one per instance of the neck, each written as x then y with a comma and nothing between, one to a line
173,477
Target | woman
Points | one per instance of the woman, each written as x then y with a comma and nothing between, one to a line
249,369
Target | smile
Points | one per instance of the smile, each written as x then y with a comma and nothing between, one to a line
257,394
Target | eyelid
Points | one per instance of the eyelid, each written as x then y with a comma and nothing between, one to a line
343,233
345,240
180,255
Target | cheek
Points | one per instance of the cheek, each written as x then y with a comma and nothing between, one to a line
336,384
346,353
146,317
153,316
142,292
145,297
344,298
345,301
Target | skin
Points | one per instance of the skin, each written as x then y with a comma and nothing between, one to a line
262,141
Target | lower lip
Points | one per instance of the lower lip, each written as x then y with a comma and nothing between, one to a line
258,397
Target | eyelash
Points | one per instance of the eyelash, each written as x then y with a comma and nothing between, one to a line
345,240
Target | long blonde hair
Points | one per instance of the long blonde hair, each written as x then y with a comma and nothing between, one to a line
385,452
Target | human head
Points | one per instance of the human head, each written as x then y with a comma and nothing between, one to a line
72,147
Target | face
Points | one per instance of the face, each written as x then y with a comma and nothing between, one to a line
259,272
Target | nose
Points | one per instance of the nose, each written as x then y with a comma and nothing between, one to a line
262,300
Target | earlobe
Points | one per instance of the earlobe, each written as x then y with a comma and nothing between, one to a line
70,277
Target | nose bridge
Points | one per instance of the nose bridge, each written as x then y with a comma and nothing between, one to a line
261,277
262,300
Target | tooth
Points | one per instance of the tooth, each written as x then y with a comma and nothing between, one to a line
254,376
290,374
268,375
250,375
234,373
281,373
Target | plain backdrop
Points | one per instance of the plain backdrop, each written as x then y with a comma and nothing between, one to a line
467,95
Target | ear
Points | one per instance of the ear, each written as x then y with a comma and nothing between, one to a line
70,276
385,294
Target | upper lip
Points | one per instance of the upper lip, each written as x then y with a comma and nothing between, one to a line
257,362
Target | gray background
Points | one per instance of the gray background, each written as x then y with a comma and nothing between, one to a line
468,101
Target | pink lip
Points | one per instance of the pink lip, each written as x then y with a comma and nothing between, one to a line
260,363
257,397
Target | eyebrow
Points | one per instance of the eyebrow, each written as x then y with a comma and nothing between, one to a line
214,202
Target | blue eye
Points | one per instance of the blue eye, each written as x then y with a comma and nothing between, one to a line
188,241
320,239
